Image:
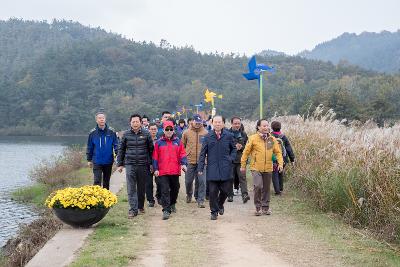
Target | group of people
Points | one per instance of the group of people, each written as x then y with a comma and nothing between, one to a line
212,157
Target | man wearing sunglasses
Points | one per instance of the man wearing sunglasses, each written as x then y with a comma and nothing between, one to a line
169,158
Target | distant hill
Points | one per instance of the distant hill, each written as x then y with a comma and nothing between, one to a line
55,76
22,42
374,51
271,53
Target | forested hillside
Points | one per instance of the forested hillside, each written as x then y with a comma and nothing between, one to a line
54,77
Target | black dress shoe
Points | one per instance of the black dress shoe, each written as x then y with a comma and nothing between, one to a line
246,198
230,199
214,216
221,211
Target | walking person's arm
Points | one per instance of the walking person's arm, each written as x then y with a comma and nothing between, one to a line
202,157
121,153
184,138
89,151
182,157
155,160
115,144
245,139
150,147
276,149
289,149
246,152
233,149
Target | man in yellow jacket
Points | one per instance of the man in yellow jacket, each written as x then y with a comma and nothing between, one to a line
261,146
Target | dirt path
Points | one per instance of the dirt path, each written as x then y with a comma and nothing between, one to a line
275,240
155,253
247,253
237,238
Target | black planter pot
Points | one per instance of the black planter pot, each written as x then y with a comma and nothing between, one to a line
79,217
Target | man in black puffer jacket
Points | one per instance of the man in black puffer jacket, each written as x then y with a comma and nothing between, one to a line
134,153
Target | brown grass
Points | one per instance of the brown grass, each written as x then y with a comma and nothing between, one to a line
353,171
56,171
30,239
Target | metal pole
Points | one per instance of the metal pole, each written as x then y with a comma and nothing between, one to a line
261,96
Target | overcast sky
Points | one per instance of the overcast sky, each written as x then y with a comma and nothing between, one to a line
220,25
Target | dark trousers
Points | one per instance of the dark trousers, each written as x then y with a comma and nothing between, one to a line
277,181
149,188
136,177
169,187
158,190
102,174
219,191
238,178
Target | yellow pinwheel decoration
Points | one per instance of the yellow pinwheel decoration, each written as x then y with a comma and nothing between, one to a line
209,96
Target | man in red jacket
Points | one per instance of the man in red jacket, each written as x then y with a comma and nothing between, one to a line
169,158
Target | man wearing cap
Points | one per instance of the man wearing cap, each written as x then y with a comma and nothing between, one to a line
192,139
101,145
169,158
164,117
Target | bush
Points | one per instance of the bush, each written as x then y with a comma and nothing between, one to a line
57,172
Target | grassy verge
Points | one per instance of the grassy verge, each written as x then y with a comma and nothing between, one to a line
117,240
357,247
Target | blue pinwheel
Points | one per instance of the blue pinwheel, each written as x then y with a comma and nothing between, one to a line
256,73
198,107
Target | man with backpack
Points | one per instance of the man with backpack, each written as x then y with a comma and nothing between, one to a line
287,154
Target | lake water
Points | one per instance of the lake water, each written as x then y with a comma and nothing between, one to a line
18,155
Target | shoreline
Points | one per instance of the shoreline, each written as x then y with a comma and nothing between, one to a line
30,237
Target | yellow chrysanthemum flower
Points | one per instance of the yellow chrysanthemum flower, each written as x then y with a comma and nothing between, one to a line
85,197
